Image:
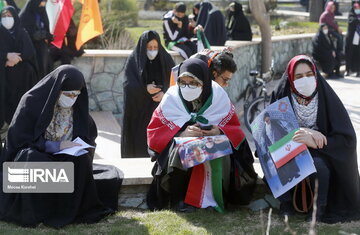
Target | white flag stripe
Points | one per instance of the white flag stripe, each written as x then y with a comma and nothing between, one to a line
284,150
208,198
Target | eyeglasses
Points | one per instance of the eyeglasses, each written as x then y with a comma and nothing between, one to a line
191,85
225,79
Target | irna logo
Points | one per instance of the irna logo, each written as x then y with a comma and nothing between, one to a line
37,175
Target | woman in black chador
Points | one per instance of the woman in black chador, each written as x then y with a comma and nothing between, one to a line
147,76
326,129
326,53
17,56
35,20
238,26
352,48
48,118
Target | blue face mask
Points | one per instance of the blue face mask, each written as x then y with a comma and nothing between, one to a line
357,11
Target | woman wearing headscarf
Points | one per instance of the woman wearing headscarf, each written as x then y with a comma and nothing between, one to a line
147,75
17,56
48,118
324,52
352,49
34,19
213,22
327,131
238,26
196,101
328,18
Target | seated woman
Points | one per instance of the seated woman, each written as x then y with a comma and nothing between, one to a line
238,26
324,52
147,74
49,116
196,101
327,131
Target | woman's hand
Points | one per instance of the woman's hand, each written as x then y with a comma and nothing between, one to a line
152,89
13,57
68,144
214,131
319,138
303,136
158,97
192,131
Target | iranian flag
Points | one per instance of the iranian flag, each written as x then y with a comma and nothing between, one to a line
59,13
285,149
205,186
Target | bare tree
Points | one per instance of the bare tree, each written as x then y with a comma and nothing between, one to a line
316,7
258,10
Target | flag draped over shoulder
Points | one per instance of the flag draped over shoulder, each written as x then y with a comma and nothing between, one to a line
205,186
90,22
171,115
59,13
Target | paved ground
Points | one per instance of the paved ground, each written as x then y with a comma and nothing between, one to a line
348,89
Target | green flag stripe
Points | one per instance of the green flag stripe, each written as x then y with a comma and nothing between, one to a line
278,144
216,181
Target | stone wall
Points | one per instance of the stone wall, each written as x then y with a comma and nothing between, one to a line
104,69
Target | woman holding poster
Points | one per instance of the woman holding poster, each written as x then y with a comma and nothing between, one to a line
327,131
195,107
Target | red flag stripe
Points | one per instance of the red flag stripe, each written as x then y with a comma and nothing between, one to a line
196,187
290,156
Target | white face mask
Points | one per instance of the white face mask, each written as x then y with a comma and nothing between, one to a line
325,31
151,54
7,22
357,11
190,94
66,102
305,86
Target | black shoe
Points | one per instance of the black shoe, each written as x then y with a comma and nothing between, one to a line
184,208
339,75
286,208
358,74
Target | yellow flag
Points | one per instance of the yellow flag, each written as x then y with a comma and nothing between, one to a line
90,22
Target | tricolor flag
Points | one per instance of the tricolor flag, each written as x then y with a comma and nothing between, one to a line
285,149
59,13
90,22
205,186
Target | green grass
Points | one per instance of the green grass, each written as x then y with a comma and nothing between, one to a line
144,25
137,222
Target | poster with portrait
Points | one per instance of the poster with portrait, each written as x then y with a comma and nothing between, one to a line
284,162
196,150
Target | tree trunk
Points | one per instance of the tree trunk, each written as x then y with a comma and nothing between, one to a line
258,10
316,7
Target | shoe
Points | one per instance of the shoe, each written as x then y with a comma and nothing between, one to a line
184,208
286,208
339,75
358,74
347,73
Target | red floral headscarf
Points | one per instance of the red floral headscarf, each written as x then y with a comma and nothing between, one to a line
291,70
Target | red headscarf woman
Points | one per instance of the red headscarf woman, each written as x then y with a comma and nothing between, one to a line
329,134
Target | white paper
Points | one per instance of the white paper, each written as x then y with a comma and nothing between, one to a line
356,39
76,150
